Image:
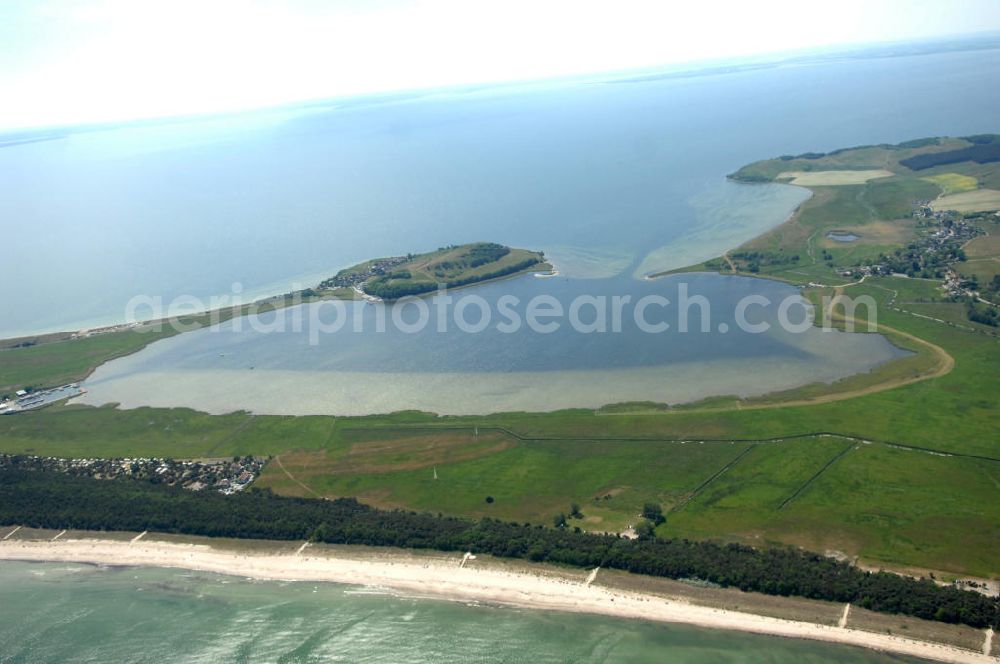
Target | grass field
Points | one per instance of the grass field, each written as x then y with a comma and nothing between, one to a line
986,246
65,361
878,234
886,504
528,480
435,266
983,258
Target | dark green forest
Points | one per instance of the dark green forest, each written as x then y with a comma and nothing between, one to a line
45,499
985,149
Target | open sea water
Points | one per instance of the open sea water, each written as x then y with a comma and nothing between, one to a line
57,612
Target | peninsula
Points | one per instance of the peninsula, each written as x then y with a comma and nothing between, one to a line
925,208
906,224
49,361
454,266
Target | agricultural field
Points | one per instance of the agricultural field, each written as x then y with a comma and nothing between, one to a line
985,247
979,200
983,258
832,178
954,183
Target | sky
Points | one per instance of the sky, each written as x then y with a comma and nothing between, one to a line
81,61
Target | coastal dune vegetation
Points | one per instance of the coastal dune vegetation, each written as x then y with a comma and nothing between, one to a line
40,498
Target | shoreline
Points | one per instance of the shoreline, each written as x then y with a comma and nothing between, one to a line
450,578
237,310
695,268
211,317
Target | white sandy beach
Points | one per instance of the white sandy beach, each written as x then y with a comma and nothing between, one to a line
449,579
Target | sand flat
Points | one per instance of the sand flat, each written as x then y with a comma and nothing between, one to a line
833,178
444,577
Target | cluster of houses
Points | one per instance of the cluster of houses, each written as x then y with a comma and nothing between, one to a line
930,252
923,210
354,278
224,475
875,270
956,286
952,225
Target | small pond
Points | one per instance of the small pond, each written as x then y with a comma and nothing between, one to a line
842,236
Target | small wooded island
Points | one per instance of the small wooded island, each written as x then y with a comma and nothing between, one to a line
414,274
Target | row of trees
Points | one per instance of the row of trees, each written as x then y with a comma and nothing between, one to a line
755,260
49,500
984,314
476,256
911,144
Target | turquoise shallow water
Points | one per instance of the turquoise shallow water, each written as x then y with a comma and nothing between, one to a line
57,612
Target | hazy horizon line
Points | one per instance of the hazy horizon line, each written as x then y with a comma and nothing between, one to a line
703,66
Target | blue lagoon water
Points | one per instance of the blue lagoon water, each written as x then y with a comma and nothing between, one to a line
290,363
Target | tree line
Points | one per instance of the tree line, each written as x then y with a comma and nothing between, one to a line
43,499
388,289
985,149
